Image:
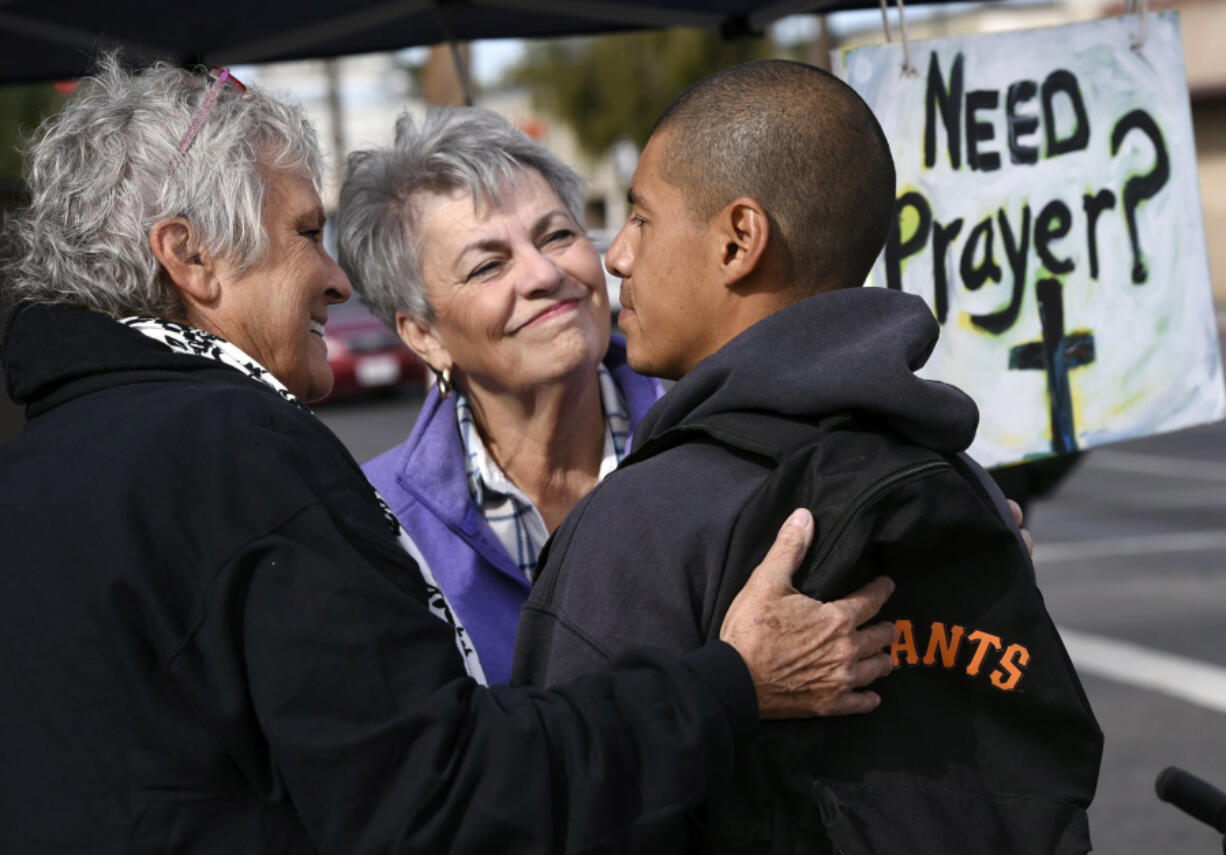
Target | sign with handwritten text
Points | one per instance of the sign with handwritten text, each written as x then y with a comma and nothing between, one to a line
1048,210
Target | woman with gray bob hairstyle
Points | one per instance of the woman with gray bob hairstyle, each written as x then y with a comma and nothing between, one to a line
465,237
210,624
474,150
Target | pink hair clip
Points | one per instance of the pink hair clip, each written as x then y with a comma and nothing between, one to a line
206,106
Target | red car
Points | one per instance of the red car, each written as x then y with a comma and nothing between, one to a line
365,356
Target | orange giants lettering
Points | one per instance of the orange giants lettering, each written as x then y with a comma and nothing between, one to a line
944,648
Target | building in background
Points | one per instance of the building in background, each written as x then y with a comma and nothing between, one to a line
354,103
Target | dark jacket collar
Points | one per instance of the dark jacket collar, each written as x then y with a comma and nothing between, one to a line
848,351
52,353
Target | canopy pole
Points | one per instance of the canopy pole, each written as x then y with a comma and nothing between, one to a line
461,67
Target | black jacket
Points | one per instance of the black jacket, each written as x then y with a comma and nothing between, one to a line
984,742
209,642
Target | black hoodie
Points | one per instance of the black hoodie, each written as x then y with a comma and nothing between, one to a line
210,643
984,742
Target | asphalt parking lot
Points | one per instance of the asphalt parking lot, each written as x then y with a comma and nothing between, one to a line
1131,558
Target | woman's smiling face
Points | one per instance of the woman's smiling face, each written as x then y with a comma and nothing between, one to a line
517,289
276,309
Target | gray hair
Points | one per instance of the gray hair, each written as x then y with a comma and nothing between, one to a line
460,148
106,168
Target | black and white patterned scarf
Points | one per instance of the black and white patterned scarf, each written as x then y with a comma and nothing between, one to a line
196,342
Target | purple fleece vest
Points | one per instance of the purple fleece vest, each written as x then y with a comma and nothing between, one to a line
423,481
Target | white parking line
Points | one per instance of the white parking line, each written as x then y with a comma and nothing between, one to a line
1187,679
1148,544
1157,464
1188,497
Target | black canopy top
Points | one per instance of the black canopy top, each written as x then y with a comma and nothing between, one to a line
59,39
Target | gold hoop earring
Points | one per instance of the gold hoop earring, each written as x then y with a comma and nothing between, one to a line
442,381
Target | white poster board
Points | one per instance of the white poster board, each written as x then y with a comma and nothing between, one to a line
1048,211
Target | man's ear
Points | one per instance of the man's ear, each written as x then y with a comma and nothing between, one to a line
743,231
174,244
423,340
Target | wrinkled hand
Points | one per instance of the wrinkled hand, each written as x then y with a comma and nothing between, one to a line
1017,516
807,657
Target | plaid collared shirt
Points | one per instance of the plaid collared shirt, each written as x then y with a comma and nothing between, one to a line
516,522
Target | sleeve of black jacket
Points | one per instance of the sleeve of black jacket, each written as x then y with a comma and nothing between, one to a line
320,671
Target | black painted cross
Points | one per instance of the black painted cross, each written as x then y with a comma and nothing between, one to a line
1057,354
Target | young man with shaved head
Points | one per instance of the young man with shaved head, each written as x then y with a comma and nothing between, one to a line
758,208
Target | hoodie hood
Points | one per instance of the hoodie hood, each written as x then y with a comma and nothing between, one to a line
52,353
854,350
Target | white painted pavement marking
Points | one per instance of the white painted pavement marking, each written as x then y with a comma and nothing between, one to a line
1187,497
1187,679
1157,464
1148,544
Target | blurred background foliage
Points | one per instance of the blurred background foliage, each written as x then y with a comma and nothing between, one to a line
22,108
615,86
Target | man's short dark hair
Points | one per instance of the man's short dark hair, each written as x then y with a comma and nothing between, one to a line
805,146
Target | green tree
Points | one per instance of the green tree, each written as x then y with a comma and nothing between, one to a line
21,110
614,86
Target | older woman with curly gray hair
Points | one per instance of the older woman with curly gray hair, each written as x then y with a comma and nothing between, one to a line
214,637
466,237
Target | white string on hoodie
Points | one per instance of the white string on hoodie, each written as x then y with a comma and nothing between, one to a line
196,342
